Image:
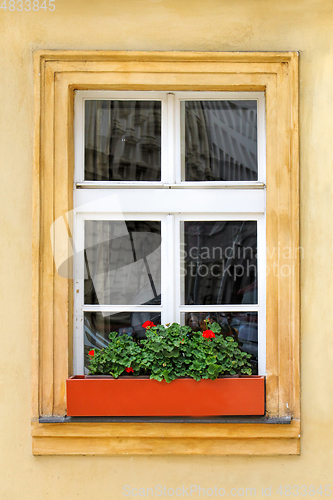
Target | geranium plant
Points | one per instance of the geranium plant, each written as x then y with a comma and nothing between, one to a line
121,355
170,352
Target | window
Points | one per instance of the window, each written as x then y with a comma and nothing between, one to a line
169,203
169,175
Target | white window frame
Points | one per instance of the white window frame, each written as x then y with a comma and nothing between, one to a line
171,201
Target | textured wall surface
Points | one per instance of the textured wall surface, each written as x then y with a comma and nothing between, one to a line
213,25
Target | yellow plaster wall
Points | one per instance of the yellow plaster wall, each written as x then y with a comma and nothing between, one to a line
211,25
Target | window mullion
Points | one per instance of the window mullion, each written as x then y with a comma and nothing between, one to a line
179,128
168,141
168,265
179,247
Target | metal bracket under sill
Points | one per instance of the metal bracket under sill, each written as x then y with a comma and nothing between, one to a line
173,420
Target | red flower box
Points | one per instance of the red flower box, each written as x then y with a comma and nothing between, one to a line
141,396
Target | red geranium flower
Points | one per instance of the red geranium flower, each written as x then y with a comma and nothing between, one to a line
208,334
148,324
129,370
91,353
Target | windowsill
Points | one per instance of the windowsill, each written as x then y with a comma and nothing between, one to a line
78,437
169,420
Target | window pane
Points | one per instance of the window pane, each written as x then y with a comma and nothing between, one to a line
242,326
219,140
219,262
122,140
122,262
97,327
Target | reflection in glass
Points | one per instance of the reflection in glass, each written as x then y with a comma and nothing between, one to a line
220,140
219,262
122,262
122,140
242,326
97,327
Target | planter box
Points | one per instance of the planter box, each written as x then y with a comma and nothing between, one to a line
141,396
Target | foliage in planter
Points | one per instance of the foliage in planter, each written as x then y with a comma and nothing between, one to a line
163,353
219,355
121,353
173,351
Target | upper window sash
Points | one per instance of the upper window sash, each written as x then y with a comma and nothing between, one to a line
172,137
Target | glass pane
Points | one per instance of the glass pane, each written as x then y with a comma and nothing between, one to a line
242,326
219,262
97,327
219,140
122,140
122,262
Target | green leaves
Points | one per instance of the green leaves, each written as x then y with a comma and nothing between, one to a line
172,352
166,347
121,353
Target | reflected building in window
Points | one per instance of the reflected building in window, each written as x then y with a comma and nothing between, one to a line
122,140
220,140
220,262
